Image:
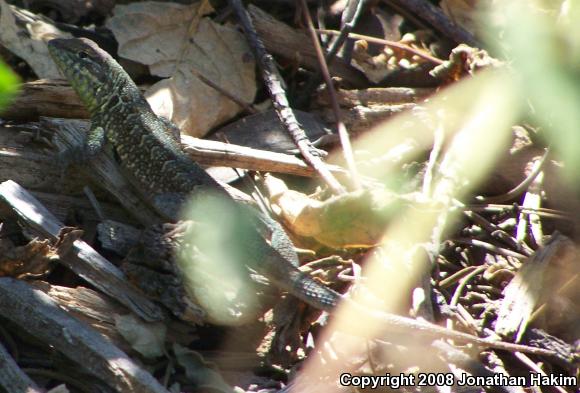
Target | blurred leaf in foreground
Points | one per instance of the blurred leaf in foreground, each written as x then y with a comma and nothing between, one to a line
9,83
543,46
214,257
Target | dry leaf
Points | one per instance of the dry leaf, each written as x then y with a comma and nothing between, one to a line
264,131
540,279
26,36
356,219
147,338
200,372
176,42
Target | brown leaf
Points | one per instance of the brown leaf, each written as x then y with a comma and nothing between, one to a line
178,43
357,219
27,37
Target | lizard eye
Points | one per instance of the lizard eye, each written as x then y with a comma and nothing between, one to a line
83,55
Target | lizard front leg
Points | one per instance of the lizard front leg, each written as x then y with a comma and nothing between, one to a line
80,154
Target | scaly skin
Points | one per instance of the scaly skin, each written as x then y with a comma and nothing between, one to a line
165,176
152,159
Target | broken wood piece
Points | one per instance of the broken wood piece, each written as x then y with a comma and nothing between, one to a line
82,258
103,169
381,96
45,97
12,378
538,280
100,312
90,307
25,159
117,236
36,313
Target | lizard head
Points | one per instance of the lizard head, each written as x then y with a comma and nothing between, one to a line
91,71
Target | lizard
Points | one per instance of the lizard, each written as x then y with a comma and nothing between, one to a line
152,160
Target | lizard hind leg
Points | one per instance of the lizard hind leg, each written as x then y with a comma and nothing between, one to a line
169,205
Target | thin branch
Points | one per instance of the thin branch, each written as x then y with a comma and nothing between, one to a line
273,81
392,44
345,30
342,132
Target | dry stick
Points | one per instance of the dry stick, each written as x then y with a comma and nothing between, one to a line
342,132
542,211
435,17
498,233
392,44
12,377
350,15
492,248
345,30
321,10
517,190
272,80
537,369
463,283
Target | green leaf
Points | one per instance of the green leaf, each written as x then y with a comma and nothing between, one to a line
9,85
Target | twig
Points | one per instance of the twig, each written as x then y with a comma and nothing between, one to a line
492,248
94,202
342,132
498,233
435,17
345,30
273,82
534,367
511,194
463,283
543,212
392,44
350,16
